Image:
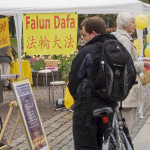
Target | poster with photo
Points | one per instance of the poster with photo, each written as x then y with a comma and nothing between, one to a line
30,115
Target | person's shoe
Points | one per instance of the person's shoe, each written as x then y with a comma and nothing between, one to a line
5,88
9,86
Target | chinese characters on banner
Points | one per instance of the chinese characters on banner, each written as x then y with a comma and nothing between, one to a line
50,34
4,32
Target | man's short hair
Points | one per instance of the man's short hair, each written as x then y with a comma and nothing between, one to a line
123,19
94,23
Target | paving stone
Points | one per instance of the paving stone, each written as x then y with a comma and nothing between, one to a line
57,124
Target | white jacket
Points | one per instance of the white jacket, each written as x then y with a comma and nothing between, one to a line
134,99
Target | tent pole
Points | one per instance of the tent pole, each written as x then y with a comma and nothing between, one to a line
18,25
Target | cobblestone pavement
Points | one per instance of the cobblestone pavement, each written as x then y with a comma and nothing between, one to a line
139,122
57,124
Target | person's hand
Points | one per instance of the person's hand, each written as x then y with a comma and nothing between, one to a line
146,63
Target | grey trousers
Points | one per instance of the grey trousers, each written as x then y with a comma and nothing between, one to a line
129,114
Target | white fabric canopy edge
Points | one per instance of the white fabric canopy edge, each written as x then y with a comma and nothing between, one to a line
17,8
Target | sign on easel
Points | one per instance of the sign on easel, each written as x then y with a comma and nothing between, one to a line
30,115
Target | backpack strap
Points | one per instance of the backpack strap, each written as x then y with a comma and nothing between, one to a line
116,83
120,108
1,123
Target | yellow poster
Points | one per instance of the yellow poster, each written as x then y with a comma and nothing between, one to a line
50,34
4,32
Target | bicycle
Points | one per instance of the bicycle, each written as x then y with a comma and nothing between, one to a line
116,136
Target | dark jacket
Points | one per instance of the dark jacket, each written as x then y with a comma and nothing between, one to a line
79,85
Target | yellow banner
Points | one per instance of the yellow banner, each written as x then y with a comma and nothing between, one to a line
50,34
4,32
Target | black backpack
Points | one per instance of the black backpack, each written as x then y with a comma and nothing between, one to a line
113,73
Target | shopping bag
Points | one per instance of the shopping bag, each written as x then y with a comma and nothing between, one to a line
145,78
68,99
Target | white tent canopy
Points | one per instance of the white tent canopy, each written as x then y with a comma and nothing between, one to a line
17,8
9,7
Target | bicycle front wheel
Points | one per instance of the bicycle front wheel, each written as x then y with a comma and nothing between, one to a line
111,146
108,145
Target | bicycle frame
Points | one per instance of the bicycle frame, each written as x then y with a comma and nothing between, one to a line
116,135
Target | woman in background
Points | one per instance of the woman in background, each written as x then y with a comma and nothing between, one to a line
126,26
5,63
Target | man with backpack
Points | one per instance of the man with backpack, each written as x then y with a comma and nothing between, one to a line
97,80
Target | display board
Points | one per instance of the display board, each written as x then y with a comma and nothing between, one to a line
4,32
50,34
30,115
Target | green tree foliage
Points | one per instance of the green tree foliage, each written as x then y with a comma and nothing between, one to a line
65,64
110,19
145,1
12,26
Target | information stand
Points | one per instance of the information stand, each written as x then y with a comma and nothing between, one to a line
29,115
6,147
